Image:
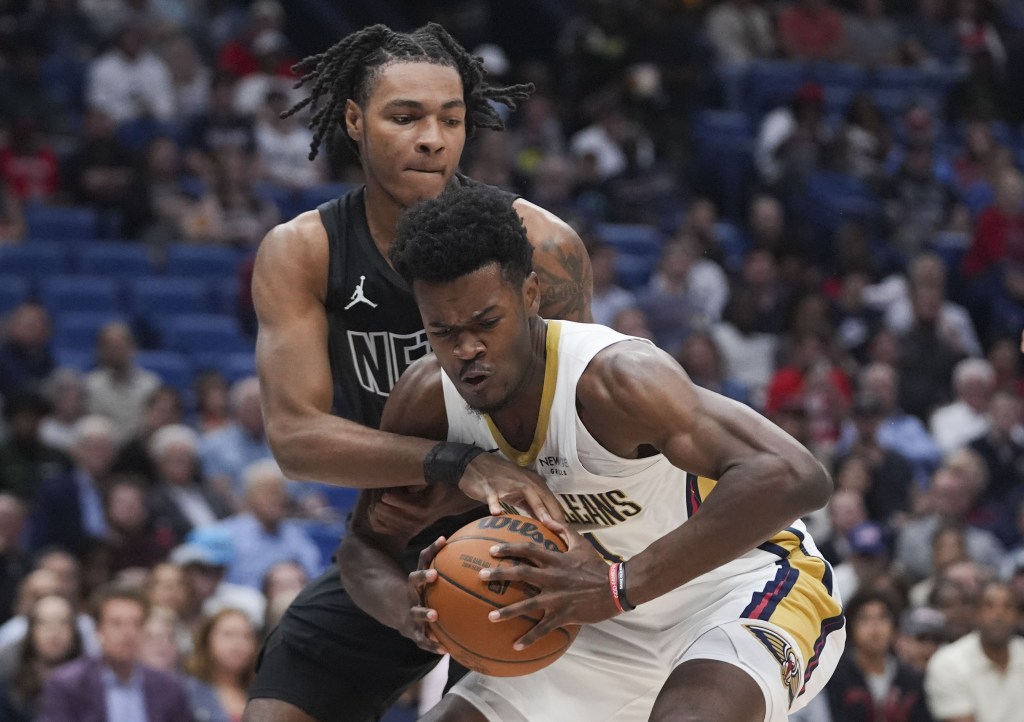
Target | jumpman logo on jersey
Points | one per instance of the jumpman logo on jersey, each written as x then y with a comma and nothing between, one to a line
358,297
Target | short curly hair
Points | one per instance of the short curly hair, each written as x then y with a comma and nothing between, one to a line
465,228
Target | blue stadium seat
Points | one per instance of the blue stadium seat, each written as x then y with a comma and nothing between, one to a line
74,357
632,239
233,365
173,368
203,333
728,123
201,261
771,83
135,135
164,294
907,79
115,259
310,198
842,75
634,271
62,294
79,329
66,224
225,296
732,243
34,259
13,290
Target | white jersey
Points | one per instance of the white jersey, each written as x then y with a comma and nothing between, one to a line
623,505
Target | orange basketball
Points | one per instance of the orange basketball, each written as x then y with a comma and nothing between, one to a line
463,600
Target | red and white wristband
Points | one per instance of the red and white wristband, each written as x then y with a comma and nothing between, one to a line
617,583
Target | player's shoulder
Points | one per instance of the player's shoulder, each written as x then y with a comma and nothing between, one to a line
543,226
625,367
300,244
416,403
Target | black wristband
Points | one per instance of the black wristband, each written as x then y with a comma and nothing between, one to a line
447,462
620,584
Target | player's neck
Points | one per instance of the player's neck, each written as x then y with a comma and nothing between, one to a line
382,213
518,421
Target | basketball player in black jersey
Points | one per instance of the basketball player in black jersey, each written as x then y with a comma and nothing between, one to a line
337,327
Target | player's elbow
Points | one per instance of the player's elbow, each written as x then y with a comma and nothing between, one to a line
284,437
811,485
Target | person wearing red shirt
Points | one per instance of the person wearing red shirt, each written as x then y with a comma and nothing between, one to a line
811,30
27,166
999,234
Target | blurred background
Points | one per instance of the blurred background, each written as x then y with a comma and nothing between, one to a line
817,207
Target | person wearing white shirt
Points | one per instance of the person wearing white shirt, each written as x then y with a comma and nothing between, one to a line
128,81
957,424
980,677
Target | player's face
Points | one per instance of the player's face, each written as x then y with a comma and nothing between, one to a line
411,131
479,329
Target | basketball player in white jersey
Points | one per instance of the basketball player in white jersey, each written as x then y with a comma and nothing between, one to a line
702,595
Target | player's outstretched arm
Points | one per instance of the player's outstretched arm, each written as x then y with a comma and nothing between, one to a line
636,396
289,288
561,262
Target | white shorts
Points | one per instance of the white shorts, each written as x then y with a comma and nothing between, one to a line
615,670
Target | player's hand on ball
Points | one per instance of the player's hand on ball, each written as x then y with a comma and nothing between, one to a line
407,510
493,480
572,586
419,615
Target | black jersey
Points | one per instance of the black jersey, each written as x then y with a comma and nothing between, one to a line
374,327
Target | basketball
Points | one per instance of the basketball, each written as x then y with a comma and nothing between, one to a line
463,600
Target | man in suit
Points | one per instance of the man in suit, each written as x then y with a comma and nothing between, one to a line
116,687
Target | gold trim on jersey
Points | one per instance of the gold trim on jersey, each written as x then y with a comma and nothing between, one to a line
528,457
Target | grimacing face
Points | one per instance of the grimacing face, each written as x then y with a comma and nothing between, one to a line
478,326
411,130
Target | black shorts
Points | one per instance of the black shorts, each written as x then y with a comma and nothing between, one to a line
334,661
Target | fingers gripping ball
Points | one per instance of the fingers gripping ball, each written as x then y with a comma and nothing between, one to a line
463,600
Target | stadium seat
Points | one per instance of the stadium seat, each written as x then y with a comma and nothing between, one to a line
163,294
79,329
57,223
906,80
73,357
634,271
201,261
633,239
173,368
310,198
62,294
13,290
202,333
233,365
135,135
34,259
115,259
839,75
771,83
225,296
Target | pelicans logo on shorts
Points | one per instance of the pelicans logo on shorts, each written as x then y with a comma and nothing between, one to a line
784,654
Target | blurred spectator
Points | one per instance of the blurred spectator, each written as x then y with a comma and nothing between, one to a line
179,497
537,136
890,474
14,561
552,186
869,557
609,297
237,56
117,686
871,683
12,219
974,163
928,41
65,392
949,547
1004,355
272,67
231,213
811,30
700,220
167,589
37,584
190,78
133,538
224,658
916,201
872,38
227,452
791,139
219,128
205,556
949,500
925,358
159,199
603,141
163,408
767,228
25,460
954,323
922,632
160,649
644,192
101,173
118,387
129,81
25,356
981,93
974,32
283,146
865,138
702,360
897,430
846,510
956,603
28,164
1002,449
68,509
633,322
262,536
999,237
24,96
211,398
854,320
285,578
966,418
51,640
740,31
978,677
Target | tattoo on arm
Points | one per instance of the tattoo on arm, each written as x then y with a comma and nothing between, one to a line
566,281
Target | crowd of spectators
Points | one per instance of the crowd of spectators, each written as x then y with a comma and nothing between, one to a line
825,213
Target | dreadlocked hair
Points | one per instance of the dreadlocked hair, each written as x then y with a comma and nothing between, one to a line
348,68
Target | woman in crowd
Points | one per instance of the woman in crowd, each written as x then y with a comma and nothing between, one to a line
223,658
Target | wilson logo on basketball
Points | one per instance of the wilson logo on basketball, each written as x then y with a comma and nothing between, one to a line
526,529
